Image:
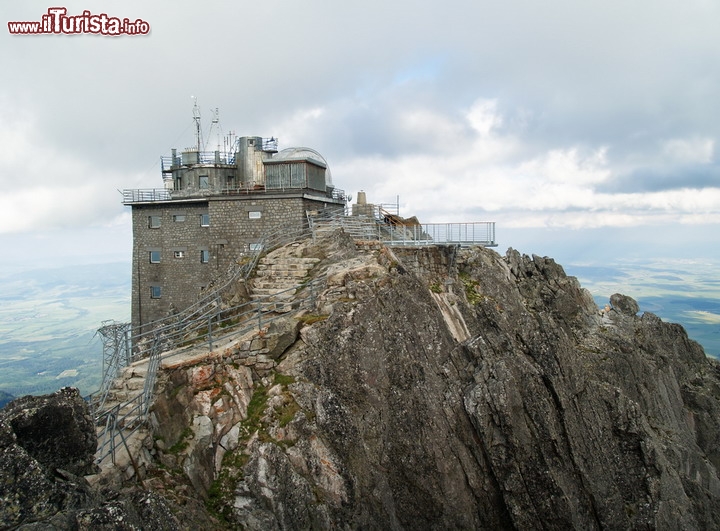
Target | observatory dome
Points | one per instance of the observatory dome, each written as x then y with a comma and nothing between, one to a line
305,153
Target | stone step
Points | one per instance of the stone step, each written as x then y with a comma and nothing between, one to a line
289,260
116,396
135,384
273,293
295,273
139,370
271,282
280,306
283,267
130,421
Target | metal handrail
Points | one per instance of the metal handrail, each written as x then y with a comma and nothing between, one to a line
146,195
464,234
184,331
153,195
248,316
194,325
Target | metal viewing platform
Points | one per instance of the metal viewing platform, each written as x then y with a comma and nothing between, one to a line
463,234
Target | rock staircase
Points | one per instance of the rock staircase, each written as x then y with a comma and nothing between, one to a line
279,276
128,386
124,419
359,227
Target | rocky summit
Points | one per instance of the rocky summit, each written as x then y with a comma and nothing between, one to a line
428,388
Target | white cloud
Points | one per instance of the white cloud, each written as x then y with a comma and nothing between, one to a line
47,188
503,176
483,116
533,115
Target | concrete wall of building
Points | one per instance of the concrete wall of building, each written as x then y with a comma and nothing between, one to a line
180,276
234,224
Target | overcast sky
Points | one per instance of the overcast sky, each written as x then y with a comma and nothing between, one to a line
577,126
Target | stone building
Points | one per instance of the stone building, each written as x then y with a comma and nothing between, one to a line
214,208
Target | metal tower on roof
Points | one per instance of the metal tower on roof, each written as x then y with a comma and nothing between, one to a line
199,144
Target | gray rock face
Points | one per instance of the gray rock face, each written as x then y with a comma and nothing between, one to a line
431,388
550,414
623,304
46,444
65,416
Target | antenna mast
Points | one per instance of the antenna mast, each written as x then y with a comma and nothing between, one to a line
215,125
198,129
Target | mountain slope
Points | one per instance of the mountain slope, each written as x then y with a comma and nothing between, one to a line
436,388
445,388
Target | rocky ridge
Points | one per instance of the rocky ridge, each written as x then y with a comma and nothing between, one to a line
438,388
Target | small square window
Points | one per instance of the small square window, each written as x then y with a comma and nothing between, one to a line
204,182
179,217
204,256
179,254
154,222
204,220
254,215
155,292
154,257
256,246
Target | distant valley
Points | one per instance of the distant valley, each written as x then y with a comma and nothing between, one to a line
679,291
48,324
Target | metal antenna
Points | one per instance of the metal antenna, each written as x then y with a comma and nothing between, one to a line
216,126
198,130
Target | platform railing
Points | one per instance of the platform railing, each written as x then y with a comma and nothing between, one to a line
216,324
206,319
464,234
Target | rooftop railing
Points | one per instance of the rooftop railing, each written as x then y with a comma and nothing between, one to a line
189,158
152,195
147,195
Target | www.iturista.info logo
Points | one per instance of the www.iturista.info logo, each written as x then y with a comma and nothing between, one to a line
58,22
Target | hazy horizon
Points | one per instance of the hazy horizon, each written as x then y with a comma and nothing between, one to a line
49,315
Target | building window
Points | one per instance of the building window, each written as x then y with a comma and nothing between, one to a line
204,256
204,182
179,254
204,220
154,222
154,257
254,215
155,292
256,246
178,217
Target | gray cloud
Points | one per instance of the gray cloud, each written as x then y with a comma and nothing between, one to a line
655,180
623,94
